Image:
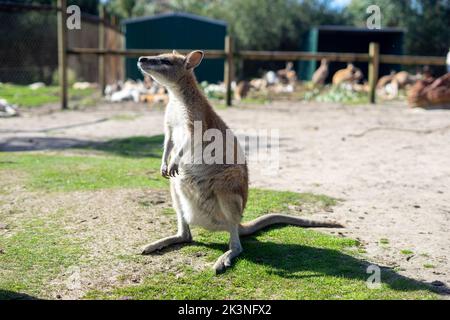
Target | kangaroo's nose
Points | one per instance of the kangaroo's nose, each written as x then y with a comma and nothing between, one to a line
144,59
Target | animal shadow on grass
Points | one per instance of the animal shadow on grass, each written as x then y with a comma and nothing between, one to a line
135,147
11,295
290,260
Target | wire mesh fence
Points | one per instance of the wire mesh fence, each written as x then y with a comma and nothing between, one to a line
29,55
28,44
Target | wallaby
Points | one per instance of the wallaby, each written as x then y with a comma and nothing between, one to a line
212,196
351,74
321,74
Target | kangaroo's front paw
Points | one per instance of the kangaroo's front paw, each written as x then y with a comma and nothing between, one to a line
164,171
173,169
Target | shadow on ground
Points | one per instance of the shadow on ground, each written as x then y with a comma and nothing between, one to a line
39,143
291,261
137,147
11,295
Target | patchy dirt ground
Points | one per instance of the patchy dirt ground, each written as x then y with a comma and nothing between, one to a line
108,237
389,164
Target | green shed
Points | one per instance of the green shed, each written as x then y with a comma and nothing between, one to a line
177,31
349,39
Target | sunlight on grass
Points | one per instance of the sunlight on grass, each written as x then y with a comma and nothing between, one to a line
34,256
23,96
279,263
68,173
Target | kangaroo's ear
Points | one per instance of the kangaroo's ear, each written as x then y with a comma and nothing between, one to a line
175,52
193,59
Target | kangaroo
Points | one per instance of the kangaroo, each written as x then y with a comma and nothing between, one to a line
212,196
321,74
351,74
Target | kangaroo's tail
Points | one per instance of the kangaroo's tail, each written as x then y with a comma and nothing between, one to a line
253,226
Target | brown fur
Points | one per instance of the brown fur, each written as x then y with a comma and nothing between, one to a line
350,74
209,195
321,74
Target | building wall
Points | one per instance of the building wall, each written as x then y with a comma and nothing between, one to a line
350,41
86,66
177,32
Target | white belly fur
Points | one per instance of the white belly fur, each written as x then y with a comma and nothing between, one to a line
204,215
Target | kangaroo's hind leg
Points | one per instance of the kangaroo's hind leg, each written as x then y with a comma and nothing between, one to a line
184,233
231,207
225,260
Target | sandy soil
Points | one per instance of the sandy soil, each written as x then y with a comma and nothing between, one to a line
390,165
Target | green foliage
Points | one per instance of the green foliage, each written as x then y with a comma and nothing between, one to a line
256,24
279,24
260,24
425,21
122,8
336,94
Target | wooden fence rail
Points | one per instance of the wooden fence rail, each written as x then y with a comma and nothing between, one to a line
209,54
373,58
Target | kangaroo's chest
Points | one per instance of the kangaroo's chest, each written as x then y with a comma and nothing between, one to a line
176,119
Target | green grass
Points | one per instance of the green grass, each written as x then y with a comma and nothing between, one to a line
69,173
34,256
23,96
266,201
407,252
279,263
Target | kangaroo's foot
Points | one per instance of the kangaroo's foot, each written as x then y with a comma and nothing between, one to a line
225,260
165,242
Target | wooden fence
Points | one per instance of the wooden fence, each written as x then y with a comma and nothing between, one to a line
373,57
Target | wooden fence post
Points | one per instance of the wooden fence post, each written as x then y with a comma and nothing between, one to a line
62,52
101,46
374,64
228,70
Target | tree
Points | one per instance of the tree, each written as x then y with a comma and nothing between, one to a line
425,21
255,24
122,8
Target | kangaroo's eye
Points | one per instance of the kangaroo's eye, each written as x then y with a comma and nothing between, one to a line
166,62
